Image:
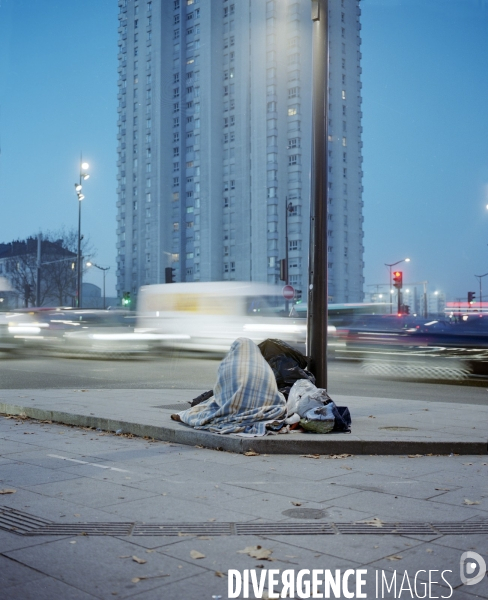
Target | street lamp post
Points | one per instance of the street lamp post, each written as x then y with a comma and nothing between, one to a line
317,288
78,187
481,295
389,282
104,269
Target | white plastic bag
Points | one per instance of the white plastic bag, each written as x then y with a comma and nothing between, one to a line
305,397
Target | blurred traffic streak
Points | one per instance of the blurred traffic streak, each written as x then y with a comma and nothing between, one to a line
410,347
69,332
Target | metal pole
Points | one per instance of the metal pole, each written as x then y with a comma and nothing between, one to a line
391,294
78,259
317,290
38,281
425,300
287,270
104,289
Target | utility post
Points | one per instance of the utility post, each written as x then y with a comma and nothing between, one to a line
38,270
317,289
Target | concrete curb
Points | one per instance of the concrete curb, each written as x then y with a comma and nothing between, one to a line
275,444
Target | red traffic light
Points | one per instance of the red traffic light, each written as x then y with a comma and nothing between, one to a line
397,279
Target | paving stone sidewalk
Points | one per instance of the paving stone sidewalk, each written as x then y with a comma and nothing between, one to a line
99,515
380,425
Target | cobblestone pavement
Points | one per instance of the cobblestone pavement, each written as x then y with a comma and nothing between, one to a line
86,514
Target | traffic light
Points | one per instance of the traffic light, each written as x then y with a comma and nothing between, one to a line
169,275
283,269
398,279
471,296
126,299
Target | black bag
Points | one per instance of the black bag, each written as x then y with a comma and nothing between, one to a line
288,365
342,418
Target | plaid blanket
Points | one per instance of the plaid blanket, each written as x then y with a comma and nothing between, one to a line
245,396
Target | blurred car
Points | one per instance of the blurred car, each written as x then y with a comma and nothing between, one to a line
77,333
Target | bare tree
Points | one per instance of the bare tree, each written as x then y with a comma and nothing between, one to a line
58,266
21,274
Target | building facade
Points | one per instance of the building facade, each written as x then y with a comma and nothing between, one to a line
214,142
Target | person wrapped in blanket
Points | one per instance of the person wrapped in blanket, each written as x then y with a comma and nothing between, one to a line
245,400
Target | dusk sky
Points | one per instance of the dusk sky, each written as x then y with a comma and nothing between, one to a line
425,121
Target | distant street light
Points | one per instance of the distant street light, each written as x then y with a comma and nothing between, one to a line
90,264
390,265
84,166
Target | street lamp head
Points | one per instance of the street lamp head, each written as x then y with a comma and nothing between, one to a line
89,264
85,166
85,175
81,197
407,260
78,187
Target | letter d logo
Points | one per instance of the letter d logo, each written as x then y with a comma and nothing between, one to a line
468,567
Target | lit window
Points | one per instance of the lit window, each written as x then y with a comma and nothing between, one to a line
343,94
344,141
292,110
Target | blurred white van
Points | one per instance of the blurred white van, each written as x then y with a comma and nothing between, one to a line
209,316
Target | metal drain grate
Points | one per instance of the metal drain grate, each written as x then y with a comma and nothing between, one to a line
19,522
385,528
184,529
23,523
84,529
284,529
468,527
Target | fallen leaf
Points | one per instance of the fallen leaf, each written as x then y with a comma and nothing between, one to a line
180,534
126,556
76,515
137,579
212,520
339,455
415,455
373,522
470,502
139,561
469,464
310,455
149,551
429,550
394,557
442,489
195,554
251,453
296,503
257,552
72,542
7,491
348,468
219,574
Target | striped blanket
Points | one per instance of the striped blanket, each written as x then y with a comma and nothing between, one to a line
245,396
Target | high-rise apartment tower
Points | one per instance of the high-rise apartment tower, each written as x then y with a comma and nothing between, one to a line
214,142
